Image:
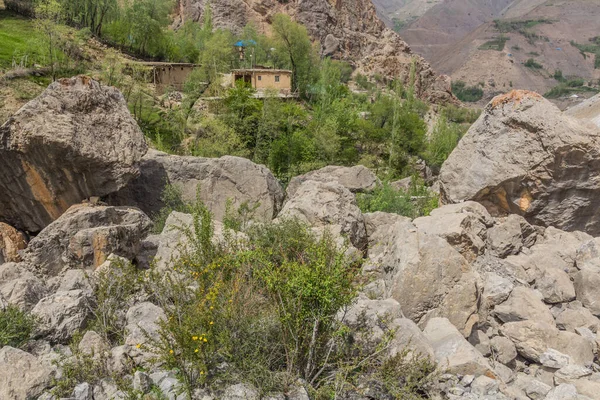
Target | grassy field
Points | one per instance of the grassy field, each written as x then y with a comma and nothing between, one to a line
20,41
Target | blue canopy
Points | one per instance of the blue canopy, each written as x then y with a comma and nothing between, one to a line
245,43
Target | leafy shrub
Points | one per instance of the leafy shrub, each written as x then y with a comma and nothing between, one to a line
466,93
444,139
495,44
115,288
531,63
265,306
460,115
172,200
15,326
413,203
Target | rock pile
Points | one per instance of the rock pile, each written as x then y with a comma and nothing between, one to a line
508,309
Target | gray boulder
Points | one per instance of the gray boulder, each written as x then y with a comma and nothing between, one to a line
423,272
556,286
19,286
452,351
356,179
463,226
75,141
241,391
506,238
524,304
61,314
11,242
532,339
143,322
503,349
84,237
327,206
574,316
218,180
523,156
22,376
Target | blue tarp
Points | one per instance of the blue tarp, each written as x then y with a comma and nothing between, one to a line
245,43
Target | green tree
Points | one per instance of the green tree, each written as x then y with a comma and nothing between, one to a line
293,43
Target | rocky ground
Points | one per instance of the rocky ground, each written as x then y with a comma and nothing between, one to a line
498,287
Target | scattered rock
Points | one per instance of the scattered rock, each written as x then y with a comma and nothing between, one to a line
86,235
506,238
93,344
61,314
75,141
537,390
452,351
524,304
463,227
556,286
240,391
142,321
554,359
22,376
503,349
20,287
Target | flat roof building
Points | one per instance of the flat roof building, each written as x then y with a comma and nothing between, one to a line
263,79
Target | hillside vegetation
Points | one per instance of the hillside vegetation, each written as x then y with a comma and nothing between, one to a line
380,125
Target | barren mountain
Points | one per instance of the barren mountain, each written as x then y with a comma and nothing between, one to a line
345,29
489,43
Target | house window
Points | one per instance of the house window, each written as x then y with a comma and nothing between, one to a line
276,78
260,78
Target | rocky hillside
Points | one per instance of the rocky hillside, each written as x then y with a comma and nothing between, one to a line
460,38
345,29
498,288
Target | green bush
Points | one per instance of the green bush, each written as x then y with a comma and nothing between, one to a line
443,140
15,326
172,200
531,63
469,94
265,305
413,203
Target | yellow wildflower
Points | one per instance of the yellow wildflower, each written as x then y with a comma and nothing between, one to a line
138,345
205,340
170,351
211,322
195,351
194,337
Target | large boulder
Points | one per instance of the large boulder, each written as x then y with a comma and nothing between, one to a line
86,235
462,225
532,339
423,272
452,351
11,242
75,141
62,314
356,179
19,286
218,180
327,206
523,156
22,376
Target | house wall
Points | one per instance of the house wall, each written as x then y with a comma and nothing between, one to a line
268,80
171,76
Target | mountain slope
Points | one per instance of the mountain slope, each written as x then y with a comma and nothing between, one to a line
461,39
345,29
